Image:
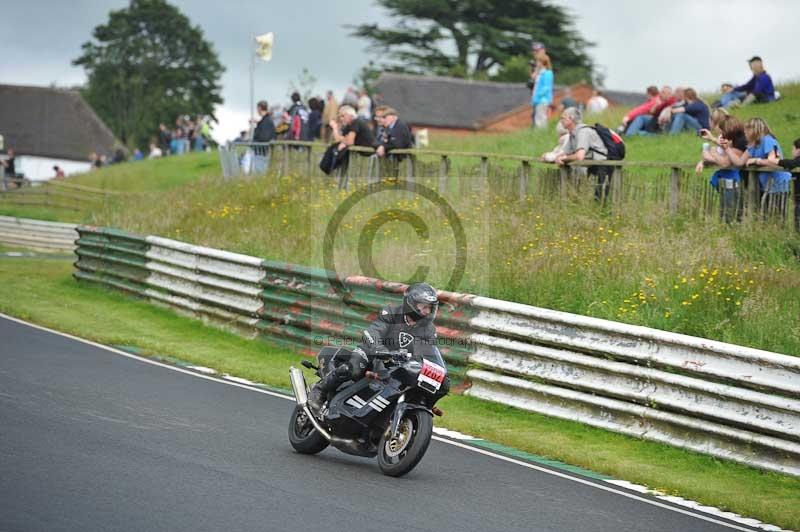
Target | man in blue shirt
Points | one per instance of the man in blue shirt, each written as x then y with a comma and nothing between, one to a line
758,89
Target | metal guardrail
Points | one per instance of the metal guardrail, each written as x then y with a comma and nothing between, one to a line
37,235
728,401
672,183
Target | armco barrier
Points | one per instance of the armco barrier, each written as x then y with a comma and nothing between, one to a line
37,235
728,401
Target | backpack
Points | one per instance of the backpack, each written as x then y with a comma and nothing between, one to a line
298,124
333,158
615,147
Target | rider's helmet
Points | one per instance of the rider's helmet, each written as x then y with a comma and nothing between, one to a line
416,295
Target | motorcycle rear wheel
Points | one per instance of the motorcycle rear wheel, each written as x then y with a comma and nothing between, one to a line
398,456
303,436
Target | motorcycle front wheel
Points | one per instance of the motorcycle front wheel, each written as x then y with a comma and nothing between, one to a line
303,436
397,456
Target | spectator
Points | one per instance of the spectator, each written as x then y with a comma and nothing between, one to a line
760,144
59,173
645,108
314,118
265,127
647,123
539,50
396,133
137,155
95,161
354,130
567,101
119,156
789,164
164,138
585,143
678,101
542,95
597,103
350,98
759,89
9,173
330,112
563,139
364,105
155,151
298,120
727,180
725,88
693,115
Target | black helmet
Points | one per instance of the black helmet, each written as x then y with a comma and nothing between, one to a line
417,294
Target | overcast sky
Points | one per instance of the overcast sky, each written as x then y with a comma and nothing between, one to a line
638,42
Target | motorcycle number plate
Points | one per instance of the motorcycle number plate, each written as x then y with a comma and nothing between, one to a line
431,376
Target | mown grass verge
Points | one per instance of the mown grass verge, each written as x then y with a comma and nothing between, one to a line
43,291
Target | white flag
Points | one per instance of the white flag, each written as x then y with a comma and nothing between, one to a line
264,42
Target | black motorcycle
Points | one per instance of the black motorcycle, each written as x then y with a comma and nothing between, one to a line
388,413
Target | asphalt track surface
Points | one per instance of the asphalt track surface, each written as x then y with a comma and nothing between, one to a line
91,440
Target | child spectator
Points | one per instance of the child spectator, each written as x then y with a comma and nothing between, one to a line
542,96
759,89
726,180
789,164
693,115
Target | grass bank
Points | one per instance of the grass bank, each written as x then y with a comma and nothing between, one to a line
43,291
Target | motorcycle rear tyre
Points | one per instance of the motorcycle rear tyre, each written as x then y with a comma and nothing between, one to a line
305,442
422,423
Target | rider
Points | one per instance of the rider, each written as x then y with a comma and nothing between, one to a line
396,327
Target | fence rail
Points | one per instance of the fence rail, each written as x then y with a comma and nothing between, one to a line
37,235
672,184
728,401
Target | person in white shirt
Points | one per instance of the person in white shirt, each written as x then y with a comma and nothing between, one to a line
597,103
155,151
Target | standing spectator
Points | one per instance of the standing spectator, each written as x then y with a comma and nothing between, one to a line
693,115
350,98
759,89
314,118
330,112
760,144
542,95
364,105
396,133
645,108
354,130
585,143
265,127
298,120
9,173
164,138
597,103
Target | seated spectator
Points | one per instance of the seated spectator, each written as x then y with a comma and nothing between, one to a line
647,123
759,89
567,101
119,156
692,115
645,108
59,173
585,143
725,88
155,151
665,116
542,95
760,143
137,155
789,164
396,134
351,130
597,103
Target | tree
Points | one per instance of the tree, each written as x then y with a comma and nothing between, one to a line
148,65
305,85
483,34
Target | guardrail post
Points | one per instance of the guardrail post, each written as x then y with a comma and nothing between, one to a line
615,187
444,166
674,189
524,177
308,161
285,164
563,176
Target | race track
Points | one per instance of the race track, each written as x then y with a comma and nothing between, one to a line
92,440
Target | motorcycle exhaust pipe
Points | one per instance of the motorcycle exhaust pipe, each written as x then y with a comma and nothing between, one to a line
298,386
301,396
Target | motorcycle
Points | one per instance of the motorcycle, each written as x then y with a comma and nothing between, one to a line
388,413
